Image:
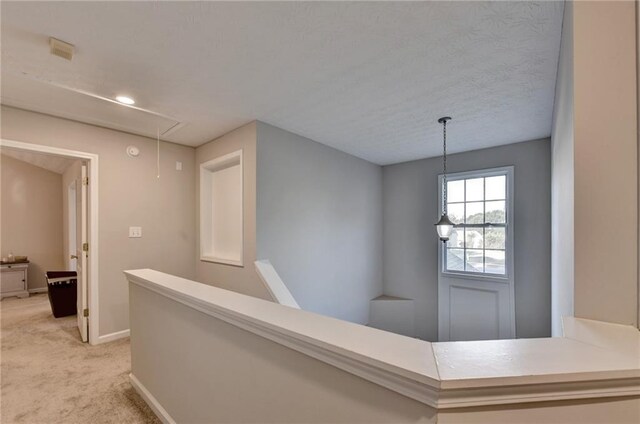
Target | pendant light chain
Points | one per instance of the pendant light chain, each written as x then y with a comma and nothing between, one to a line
444,166
444,226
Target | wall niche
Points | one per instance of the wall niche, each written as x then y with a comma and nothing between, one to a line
221,210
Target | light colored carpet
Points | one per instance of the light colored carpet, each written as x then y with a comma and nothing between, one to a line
49,376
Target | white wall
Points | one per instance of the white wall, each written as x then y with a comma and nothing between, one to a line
319,222
410,204
562,170
595,165
606,161
130,194
297,366
234,376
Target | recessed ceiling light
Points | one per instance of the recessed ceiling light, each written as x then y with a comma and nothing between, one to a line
126,100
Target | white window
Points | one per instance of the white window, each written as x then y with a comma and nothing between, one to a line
479,204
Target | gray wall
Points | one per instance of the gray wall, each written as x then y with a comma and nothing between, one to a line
410,194
562,211
319,222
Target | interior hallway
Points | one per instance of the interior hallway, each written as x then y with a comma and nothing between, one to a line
49,376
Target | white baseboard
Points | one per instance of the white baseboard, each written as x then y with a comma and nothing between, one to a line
38,290
151,401
113,336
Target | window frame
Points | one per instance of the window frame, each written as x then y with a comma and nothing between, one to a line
508,172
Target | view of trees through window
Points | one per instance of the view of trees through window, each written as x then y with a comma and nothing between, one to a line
477,207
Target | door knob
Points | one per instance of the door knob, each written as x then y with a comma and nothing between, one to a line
74,257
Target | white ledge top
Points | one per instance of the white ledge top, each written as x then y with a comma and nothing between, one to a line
595,360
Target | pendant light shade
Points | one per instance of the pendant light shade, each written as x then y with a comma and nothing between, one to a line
444,226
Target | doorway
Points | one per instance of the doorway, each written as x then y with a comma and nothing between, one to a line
83,226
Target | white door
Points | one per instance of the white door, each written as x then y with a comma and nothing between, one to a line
476,275
82,254
72,208
474,310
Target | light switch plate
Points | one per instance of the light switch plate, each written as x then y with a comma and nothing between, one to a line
135,232
178,166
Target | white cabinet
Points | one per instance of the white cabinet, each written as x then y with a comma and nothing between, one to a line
13,280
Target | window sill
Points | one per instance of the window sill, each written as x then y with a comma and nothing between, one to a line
476,276
233,262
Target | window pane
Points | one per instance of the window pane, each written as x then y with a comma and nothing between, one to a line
456,213
472,246
494,261
474,238
495,188
455,191
494,238
455,259
495,212
473,261
475,213
474,189
457,238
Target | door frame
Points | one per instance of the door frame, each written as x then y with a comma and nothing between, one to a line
72,230
93,276
481,282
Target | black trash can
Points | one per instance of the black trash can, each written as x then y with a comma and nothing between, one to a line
62,289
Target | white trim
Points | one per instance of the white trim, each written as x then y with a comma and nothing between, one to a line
213,259
112,336
38,290
509,277
257,317
509,224
153,403
274,284
543,392
216,164
93,221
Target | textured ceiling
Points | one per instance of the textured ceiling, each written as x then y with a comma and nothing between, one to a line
368,78
53,163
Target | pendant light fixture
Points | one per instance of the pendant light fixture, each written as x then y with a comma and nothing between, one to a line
444,226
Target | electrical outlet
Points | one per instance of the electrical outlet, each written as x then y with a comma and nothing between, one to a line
135,232
178,166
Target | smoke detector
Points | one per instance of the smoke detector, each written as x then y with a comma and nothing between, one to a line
61,49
